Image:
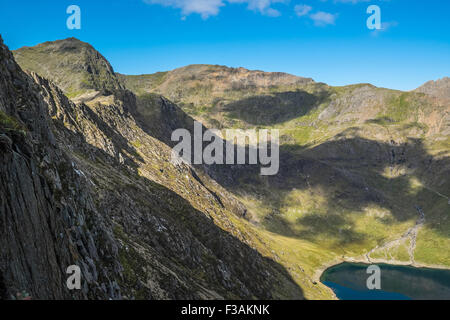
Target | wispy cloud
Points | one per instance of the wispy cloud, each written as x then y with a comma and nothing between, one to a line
322,18
350,1
263,6
205,8
302,9
208,8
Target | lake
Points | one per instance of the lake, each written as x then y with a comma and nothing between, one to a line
349,282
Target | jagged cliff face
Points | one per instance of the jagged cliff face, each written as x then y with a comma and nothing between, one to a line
48,218
87,184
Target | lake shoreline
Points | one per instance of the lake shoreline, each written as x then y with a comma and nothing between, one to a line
364,260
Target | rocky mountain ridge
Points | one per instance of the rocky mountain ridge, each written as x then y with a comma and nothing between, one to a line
439,88
83,184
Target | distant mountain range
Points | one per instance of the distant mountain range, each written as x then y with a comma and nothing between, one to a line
88,179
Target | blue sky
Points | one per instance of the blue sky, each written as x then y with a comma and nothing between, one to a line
327,40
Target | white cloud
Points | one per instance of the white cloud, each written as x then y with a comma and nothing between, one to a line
302,9
351,1
263,6
322,18
207,8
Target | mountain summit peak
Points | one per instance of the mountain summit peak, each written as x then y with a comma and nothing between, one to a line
437,88
76,66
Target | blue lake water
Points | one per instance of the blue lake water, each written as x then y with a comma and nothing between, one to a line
349,282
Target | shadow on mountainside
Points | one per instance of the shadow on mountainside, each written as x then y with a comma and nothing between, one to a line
159,117
347,176
276,108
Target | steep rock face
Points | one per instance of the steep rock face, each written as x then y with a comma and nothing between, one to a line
85,184
48,218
